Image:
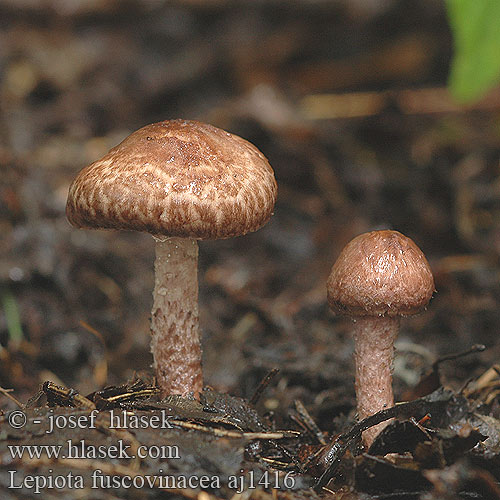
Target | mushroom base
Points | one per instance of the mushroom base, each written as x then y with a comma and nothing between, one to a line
175,341
374,352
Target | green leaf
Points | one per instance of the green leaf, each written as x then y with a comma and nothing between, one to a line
12,317
475,67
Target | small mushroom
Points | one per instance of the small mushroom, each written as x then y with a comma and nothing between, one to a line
181,181
377,278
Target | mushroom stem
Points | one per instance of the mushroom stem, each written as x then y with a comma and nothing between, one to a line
175,342
374,338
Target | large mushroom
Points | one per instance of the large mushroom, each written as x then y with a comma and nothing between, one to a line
378,278
181,181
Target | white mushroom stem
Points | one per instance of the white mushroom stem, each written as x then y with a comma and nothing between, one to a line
374,338
175,342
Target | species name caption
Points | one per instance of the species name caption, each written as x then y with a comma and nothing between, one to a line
72,449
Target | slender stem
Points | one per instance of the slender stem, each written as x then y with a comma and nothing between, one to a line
374,352
175,341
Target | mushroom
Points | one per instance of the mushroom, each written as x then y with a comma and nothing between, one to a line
378,277
181,181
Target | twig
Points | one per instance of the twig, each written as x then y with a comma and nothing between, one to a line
309,422
410,102
262,386
336,450
235,434
6,392
449,357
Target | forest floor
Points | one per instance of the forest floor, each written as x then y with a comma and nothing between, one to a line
348,101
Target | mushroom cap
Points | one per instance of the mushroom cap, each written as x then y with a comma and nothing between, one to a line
381,273
176,178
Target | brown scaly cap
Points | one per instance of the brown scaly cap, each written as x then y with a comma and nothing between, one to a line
176,178
381,273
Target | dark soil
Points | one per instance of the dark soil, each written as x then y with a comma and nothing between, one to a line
347,99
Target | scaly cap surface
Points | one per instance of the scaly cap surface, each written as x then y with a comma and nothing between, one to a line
381,273
176,178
